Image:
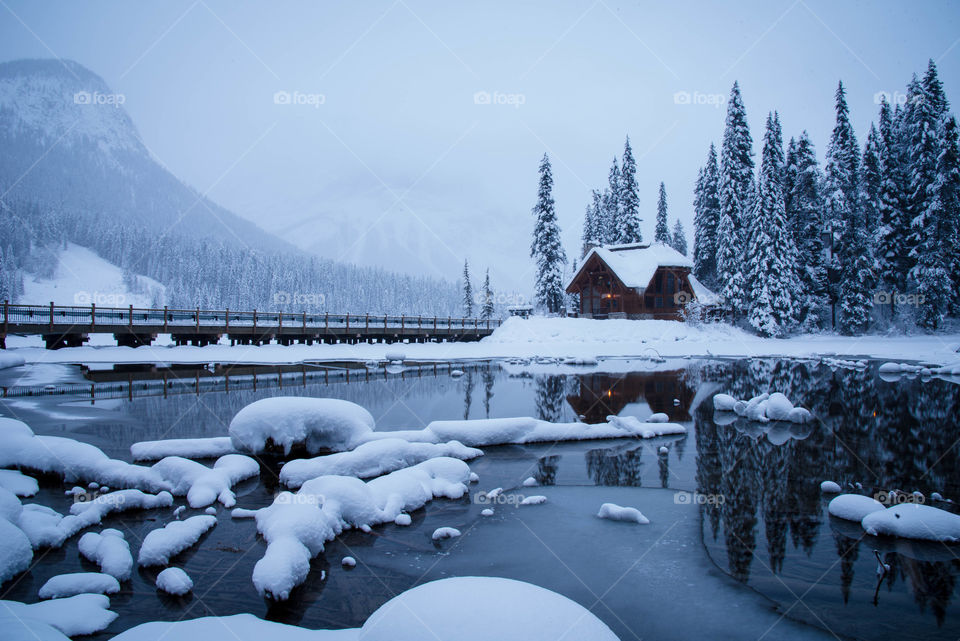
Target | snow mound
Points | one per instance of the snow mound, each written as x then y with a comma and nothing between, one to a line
237,627
18,629
445,533
18,483
174,581
110,551
763,408
530,482
403,519
8,359
73,616
486,512
724,402
659,417
616,512
213,447
173,538
317,423
16,553
830,487
73,460
83,515
534,500
296,526
373,458
64,585
854,507
914,521
203,485
645,430
525,612
348,562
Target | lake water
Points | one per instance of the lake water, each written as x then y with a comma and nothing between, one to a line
739,545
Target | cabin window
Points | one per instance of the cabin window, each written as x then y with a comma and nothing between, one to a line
658,282
659,301
648,302
670,282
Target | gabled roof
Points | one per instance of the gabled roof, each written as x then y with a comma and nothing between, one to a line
636,263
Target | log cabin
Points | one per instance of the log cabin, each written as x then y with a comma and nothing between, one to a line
637,281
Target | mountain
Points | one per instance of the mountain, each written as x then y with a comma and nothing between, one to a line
67,141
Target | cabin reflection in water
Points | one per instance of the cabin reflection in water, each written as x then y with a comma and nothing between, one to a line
603,395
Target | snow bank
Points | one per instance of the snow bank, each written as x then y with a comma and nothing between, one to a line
174,581
19,629
18,483
853,507
203,485
213,447
285,421
443,609
914,521
296,526
110,551
615,512
73,460
84,515
763,408
64,585
74,616
16,553
172,539
501,431
9,359
238,627
372,459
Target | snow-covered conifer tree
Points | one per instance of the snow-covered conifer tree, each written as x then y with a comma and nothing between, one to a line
804,208
628,211
467,292
662,233
679,238
706,218
546,248
486,310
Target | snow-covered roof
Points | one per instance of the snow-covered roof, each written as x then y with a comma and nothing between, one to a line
636,263
702,292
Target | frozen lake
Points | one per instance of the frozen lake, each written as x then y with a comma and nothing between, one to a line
739,544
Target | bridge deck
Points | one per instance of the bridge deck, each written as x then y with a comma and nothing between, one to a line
63,326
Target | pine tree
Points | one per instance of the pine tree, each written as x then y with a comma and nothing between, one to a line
628,210
546,248
706,218
467,292
735,194
486,311
804,210
871,181
662,233
851,256
936,231
889,244
772,271
679,239
610,206
593,231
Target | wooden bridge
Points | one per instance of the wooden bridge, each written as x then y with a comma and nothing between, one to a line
71,326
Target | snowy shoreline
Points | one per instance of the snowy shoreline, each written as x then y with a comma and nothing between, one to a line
537,337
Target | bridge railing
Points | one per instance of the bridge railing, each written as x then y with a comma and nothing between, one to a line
170,319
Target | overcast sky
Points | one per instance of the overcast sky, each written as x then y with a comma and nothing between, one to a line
388,159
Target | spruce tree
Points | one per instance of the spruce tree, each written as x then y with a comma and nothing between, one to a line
486,311
467,292
773,259
546,248
889,243
871,181
610,201
735,195
679,238
662,233
706,218
936,233
628,210
592,224
804,210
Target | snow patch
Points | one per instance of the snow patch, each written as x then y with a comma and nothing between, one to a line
172,539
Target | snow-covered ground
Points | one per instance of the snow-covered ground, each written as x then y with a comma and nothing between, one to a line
82,277
562,338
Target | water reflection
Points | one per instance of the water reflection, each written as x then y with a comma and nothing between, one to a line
597,396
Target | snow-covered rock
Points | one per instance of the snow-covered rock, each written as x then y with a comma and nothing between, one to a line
64,585
374,458
285,421
173,538
296,526
533,500
89,513
486,512
762,408
853,507
348,562
723,402
18,483
403,519
659,417
616,512
73,616
16,553
524,612
914,521
830,487
212,447
530,482
203,485
71,459
110,551
174,581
